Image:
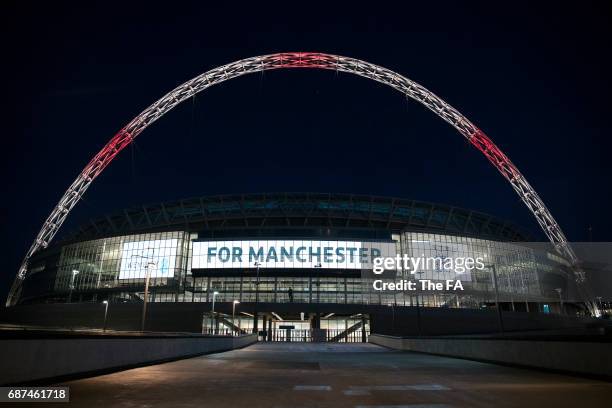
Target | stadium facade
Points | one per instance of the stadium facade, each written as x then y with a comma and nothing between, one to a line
284,256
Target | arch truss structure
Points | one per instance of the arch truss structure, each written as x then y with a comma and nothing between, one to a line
295,60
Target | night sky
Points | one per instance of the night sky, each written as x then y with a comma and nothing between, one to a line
536,79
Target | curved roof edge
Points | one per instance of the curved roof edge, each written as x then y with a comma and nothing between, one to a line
267,210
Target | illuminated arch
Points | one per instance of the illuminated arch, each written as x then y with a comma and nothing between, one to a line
294,60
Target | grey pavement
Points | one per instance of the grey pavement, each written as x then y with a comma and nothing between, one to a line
334,375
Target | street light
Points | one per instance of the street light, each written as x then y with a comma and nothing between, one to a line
105,314
499,312
418,308
74,274
148,268
212,314
146,294
234,303
255,316
317,283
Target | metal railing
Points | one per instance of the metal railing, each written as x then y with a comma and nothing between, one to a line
305,335
220,331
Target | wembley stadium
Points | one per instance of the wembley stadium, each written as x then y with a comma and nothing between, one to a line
214,263
294,264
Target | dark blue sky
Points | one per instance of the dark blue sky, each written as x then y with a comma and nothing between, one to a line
536,79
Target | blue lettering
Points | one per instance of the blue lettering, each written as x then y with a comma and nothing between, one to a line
256,256
224,254
340,257
298,254
286,255
328,253
212,251
375,253
363,255
236,254
316,254
272,255
351,251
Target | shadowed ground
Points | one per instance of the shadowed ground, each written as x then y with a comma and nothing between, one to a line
333,375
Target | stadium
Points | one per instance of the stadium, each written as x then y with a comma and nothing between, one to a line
184,255
297,265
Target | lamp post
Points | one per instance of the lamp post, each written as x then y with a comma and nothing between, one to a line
148,268
255,316
559,291
418,308
499,312
105,314
212,313
318,281
146,294
234,303
74,274
318,285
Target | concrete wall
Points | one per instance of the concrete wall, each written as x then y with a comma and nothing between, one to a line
187,317
402,321
593,358
32,359
161,317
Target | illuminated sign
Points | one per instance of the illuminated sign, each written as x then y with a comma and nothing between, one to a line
289,254
158,256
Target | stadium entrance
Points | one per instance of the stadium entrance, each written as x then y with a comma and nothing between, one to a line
303,327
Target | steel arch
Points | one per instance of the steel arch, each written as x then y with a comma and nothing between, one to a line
295,60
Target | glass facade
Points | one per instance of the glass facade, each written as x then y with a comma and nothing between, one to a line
107,266
512,272
116,269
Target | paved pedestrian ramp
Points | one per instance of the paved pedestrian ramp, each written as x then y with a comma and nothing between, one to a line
275,347
334,375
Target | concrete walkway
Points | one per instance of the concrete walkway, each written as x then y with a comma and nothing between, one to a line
333,375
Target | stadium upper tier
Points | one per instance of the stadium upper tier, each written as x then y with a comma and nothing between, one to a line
299,210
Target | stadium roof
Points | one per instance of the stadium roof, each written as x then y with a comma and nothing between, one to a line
300,210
